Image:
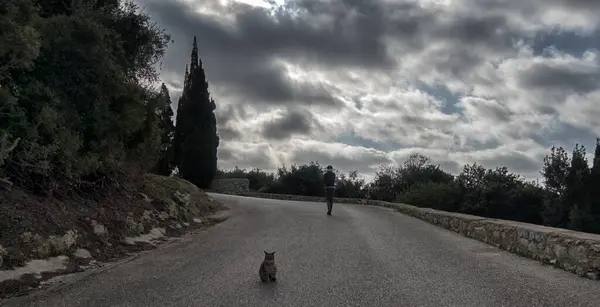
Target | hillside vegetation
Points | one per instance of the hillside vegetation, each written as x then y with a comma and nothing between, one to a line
569,197
87,140
78,110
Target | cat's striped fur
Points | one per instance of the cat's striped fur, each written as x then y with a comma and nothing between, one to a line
268,270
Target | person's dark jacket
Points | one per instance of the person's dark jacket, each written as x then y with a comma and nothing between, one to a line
329,179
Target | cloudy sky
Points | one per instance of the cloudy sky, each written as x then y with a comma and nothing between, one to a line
360,83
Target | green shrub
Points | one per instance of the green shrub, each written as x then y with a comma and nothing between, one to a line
75,105
440,196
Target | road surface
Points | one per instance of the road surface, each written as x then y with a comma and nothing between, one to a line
359,256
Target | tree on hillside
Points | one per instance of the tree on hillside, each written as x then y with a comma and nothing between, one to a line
196,138
391,181
51,8
472,181
20,40
554,171
75,94
19,46
528,203
594,187
165,163
350,186
577,193
179,121
305,179
499,193
384,183
259,179
440,196
418,169
236,172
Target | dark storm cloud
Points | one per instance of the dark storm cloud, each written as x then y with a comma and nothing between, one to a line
271,85
335,33
581,80
241,47
450,166
496,112
529,6
247,156
225,153
294,122
578,4
242,55
491,110
366,161
225,120
240,44
493,30
517,161
228,133
351,36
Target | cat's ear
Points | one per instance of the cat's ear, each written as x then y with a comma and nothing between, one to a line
266,252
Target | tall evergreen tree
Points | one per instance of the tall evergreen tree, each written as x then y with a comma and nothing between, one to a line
593,187
179,120
196,139
165,163
554,171
577,194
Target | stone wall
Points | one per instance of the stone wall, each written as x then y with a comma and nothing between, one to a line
573,251
235,186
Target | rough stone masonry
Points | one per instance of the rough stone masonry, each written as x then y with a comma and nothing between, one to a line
573,251
235,186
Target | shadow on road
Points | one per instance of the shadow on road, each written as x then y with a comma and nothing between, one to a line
267,289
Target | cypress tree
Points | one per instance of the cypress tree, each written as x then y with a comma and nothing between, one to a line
576,196
165,163
593,187
179,121
555,171
196,139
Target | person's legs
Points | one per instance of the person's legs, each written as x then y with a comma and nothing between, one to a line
329,198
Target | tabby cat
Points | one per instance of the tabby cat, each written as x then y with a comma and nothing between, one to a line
267,267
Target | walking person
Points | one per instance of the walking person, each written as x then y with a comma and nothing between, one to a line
329,179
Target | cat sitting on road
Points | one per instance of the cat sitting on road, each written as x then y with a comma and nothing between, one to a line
267,267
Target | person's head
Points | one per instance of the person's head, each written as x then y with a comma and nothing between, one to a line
329,168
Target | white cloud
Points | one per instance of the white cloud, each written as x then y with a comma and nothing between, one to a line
458,80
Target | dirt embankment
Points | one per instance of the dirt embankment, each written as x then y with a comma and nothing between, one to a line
44,237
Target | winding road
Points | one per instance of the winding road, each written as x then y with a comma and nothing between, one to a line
359,256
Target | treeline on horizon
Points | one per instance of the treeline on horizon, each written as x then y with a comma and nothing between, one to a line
569,197
82,109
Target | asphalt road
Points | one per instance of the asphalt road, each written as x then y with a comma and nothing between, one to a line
359,256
